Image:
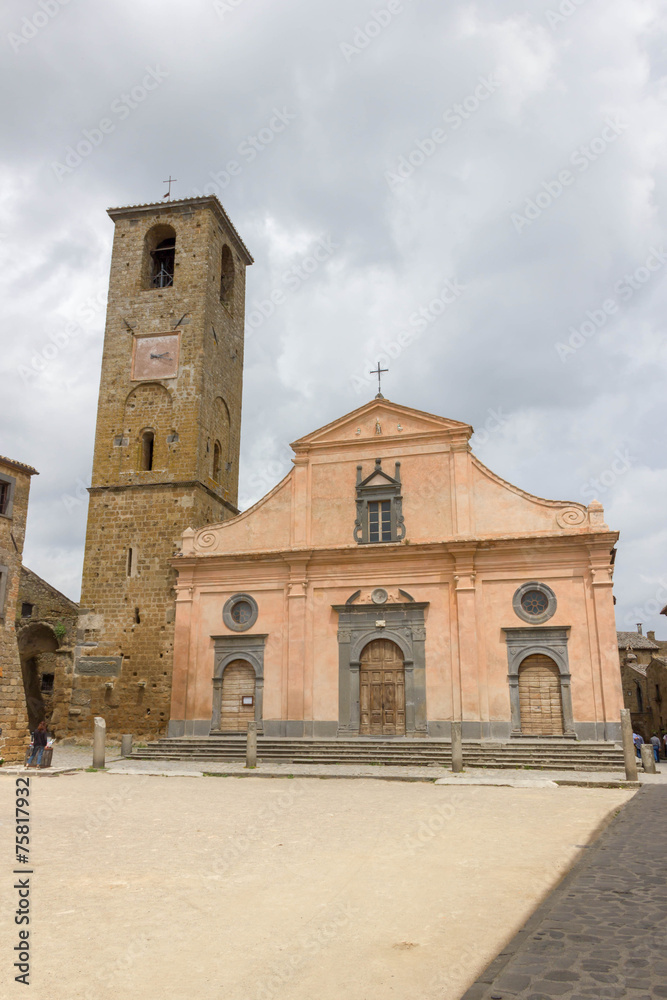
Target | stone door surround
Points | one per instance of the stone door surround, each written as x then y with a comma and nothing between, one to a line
359,624
550,641
238,647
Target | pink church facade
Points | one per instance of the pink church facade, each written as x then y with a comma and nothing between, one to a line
391,584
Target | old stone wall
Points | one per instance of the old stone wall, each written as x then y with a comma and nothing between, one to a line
46,625
123,659
13,716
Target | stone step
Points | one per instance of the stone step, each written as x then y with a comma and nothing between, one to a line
332,755
378,754
581,757
400,751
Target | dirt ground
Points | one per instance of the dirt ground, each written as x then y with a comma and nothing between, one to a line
286,889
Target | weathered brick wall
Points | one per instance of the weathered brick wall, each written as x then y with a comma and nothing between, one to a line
52,621
13,716
127,601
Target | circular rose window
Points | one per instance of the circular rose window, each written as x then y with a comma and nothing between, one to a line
534,602
240,612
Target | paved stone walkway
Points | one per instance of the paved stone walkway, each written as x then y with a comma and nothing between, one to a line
603,932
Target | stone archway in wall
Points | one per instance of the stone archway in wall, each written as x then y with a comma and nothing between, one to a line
381,689
37,644
539,681
401,624
238,674
540,700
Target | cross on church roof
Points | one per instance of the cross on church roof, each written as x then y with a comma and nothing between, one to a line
170,180
379,372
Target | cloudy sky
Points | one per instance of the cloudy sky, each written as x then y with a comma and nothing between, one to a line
486,181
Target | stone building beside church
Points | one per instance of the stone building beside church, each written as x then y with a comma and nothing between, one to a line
14,491
390,584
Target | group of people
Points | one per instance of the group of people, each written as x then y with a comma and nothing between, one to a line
655,741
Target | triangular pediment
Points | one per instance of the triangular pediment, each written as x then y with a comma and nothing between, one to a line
378,479
379,420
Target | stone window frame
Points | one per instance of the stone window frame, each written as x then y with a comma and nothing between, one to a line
229,606
391,490
9,503
228,648
550,641
4,578
403,624
544,589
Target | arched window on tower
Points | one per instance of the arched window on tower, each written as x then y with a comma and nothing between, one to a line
217,461
159,259
226,276
147,447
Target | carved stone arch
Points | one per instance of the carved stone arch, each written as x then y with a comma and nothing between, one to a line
403,624
147,403
238,647
156,237
548,641
361,641
255,661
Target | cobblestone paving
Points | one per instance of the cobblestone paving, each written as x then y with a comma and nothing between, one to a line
603,932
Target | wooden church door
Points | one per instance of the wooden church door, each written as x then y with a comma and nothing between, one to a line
540,697
238,697
382,690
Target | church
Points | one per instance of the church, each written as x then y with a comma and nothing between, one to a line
389,585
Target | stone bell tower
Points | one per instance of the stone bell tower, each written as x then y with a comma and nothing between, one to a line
166,448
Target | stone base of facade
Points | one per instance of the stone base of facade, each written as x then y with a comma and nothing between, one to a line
495,731
608,731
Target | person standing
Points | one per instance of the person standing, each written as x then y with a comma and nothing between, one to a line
39,740
656,747
638,742
664,740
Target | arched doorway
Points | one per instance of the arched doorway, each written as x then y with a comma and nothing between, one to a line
382,689
37,646
238,697
540,699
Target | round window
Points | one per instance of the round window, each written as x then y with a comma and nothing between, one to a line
534,602
241,612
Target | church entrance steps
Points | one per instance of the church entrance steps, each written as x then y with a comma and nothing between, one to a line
557,754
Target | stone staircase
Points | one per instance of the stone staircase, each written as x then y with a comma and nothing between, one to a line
551,754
